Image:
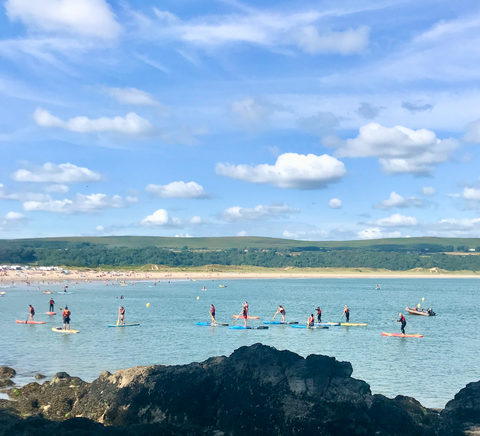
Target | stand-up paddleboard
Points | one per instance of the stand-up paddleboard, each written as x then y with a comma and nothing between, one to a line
401,335
63,292
211,324
303,326
47,292
29,322
353,324
60,330
262,327
248,317
51,313
124,325
280,322
327,324
2,294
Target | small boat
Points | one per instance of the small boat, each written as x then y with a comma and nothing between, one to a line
417,311
222,286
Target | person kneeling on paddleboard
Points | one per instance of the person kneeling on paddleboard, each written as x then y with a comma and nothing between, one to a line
346,313
66,318
31,311
212,313
281,310
52,305
403,321
319,314
311,321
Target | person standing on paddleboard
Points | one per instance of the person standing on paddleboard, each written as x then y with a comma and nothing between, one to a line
245,312
212,313
281,310
31,312
402,320
319,314
66,318
52,305
121,312
346,313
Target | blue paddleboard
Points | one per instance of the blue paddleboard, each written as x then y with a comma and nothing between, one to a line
218,324
126,325
327,324
247,328
303,326
280,322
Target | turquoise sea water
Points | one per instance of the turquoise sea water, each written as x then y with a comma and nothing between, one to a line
431,369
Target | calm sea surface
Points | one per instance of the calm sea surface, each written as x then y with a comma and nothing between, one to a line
431,369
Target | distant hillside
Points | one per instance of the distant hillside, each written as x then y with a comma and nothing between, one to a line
242,242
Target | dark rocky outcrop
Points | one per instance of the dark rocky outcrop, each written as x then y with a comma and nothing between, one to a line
7,372
258,390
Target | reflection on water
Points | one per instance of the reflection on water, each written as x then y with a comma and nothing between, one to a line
431,369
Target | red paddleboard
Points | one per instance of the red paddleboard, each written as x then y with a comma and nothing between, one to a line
51,313
29,322
400,335
248,317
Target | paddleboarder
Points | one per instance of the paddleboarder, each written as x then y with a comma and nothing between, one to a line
245,312
281,310
402,320
319,314
311,321
121,312
66,318
212,313
346,313
52,305
31,312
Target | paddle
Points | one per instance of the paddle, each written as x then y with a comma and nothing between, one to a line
233,323
118,318
276,313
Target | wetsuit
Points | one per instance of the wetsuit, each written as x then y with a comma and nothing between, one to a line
319,315
404,323
122,316
347,315
52,308
212,312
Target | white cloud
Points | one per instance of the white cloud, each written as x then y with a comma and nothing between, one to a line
291,170
62,189
399,149
471,194
452,227
351,41
160,218
396,200
253,112
92,18
335,203
5,195
13,216
242,233
260,212
266,29
376,233
196,220
58,174
427,190
322,124
100,229
132,96
132,124
416,107
396,220
178,190
472,132
367,111
80,204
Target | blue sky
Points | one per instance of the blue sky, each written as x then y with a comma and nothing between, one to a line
325,120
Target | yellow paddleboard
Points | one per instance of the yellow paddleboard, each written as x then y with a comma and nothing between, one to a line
60,330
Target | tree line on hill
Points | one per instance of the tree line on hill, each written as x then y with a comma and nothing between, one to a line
97,255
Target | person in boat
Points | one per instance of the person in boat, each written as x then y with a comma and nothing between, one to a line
52,305
319,314
66,318
31,312
346,313
403,321
245,312
281,311
311,321
212,313
121,312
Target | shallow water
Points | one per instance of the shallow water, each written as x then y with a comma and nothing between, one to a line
431,369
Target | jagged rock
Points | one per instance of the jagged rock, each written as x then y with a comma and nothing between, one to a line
462,414
7,372
40,376
6,383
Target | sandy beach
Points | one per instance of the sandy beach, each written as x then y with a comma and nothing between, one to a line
40,277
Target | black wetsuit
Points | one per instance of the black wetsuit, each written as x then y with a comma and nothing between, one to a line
404,323
347,315
319,315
